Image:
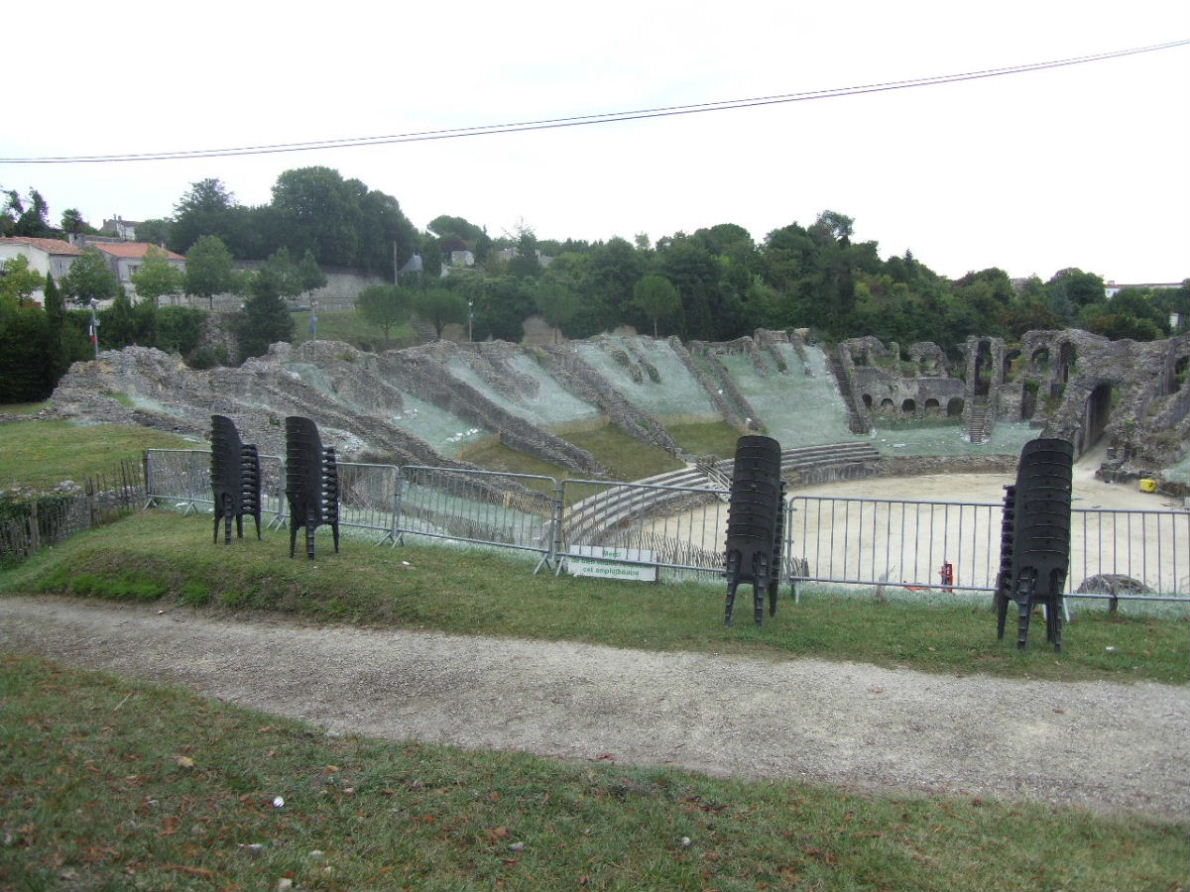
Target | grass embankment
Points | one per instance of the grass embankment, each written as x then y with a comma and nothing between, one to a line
114,785
349,326
41,454
163,556
624,457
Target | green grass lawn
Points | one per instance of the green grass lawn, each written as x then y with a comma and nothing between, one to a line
349,326
163,556
110,784
626,458
718,438
41,454
23,408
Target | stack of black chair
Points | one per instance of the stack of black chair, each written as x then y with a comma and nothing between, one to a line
235,478
1036,529
755,522
311,483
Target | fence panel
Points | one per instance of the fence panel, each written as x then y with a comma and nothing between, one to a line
676,527
368,497
182,478
896,542
483,507
1151,547
905,543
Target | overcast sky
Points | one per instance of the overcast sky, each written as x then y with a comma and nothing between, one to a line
1086,165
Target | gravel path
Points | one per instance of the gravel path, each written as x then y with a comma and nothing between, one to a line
1103,746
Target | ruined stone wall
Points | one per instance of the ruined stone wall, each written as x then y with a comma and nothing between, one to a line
588,385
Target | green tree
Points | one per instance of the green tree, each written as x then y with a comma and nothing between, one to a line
17,281
209,269
439,308
119,324
384,306
55,312
207,209
556,302
319,211
156,231
265,319
309,274
74,224
89,278
657,298
284,273
157,277
179,329
33,220
25,355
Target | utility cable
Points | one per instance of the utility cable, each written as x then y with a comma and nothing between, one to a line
587,120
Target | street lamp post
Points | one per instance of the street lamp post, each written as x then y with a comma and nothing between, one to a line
93,330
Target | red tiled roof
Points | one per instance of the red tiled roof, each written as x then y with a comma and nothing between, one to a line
49,245
132,249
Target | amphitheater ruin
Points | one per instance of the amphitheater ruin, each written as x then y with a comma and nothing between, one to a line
897,422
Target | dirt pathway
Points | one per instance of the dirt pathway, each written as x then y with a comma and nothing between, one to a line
1103,746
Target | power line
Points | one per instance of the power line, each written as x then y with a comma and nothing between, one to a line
587,120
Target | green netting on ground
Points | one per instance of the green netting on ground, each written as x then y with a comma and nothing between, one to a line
1007,439
795,408
676,393
446,432
553,404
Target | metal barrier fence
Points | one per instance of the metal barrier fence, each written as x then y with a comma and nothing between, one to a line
676,527
905,543
368,498
518,511
851,541
182,477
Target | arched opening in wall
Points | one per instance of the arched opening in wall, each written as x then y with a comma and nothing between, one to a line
933,407
1028,400
868,400
1040,360
909,407
1067,357
1009,359
886,405
983,368
1179,374
1096,416
954,408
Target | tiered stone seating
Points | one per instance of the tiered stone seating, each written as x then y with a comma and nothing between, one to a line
619,505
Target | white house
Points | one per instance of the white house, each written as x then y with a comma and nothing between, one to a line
125,258
46,255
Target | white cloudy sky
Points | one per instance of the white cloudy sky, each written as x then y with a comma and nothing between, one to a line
1084,166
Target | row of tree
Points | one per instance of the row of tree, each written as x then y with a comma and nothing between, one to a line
714,284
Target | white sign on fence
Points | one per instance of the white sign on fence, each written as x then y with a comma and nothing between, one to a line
612,563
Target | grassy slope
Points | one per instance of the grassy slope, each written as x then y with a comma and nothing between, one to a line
114,785
43,453
163,555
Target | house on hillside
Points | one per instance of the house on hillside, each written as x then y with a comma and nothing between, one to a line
125,258
125,230
46,255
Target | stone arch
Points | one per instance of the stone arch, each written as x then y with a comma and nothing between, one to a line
983,367
954,407
1096,416
886,405
1040,360
933,407
1028,400
909,406
1009,358
1179,374
1067,357
868,400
